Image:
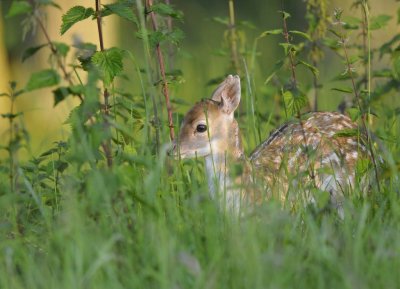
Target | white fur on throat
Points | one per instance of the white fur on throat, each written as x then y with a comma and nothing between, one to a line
220,185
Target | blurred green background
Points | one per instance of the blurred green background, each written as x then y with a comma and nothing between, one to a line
200,56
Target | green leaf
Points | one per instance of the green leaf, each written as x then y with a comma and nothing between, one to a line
270,32
63,92
343,89
278,65
294,102
31,51
41,79
384,72
60,94
156,37
336,33
109,62
175,36
347,132
10,115
166,10
354,113
223,21
19,8
353,59
74,15
124,10
286,47
396,65
352,23
312,68
300,33
331,43
62,48
379,21
285,14
387,47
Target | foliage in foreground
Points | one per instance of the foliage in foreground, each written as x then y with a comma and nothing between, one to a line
107,209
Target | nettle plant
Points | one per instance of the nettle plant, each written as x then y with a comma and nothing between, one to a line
109,123
356,82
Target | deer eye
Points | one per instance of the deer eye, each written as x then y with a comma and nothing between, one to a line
201,128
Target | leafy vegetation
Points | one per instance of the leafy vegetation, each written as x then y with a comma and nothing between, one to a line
108,209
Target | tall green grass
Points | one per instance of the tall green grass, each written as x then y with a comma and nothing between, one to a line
69,221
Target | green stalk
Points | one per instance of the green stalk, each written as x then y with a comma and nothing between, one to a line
146,48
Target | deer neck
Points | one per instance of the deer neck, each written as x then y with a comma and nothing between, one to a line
220,183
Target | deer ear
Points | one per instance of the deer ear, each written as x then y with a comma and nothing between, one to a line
228,94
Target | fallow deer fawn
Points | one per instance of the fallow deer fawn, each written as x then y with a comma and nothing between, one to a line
311,149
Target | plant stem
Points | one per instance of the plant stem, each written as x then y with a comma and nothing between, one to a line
171,51
54,51
161,62
365,35
10,143
294,87
148,62
315,86
107,144
233,38
291,57
363,115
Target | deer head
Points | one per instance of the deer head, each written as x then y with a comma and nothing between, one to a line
209,128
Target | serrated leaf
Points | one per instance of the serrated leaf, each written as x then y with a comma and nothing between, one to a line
109,62
123,10
343,89
175,36
166,10
31,51
74,15
19,8
294,102
379,21
41,79
156,37
300,33
310,67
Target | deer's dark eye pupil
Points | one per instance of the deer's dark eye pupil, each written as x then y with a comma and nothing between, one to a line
201,128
